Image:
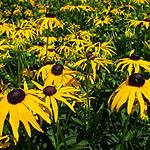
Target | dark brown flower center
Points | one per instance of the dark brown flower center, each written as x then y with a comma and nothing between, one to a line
16,96
57,69
89,56
1,23
50,50
135,57
136,79
49,90
102,19
50,15
18,28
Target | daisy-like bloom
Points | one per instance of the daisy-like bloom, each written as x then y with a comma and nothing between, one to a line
133,90
22,30
145,22
5,27
53,94
19,104
102,48
70,7
5,143
141,1
105,20
7,12
49,22
58,74
32,2
51,39
17,12
81,34
28,12
3,46
41,48
95,62
66,49
134,61
87,8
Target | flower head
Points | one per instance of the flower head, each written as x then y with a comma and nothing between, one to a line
19,103
134,61
53,94
133,90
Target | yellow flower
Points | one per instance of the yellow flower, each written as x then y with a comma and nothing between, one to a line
5,27
19,104
49,22
7,12
141,1
105,20
134,23
5,143
133,90
95,62
69,8
102,49
28,12
133,61
53,94
41,48
22,30
17,12
51,39
58,74
32,2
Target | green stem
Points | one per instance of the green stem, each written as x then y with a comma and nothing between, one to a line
19,79
62,137
57,136
124,133
87,93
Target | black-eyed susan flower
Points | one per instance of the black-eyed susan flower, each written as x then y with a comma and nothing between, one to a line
28,12
19,104
145,22
43,49
53,95
133,90
103,21
51,39
102,49
95,63
141,1
22,30
134,61
5,142
70,8
44,70
61,75
5,27
7,12
49,22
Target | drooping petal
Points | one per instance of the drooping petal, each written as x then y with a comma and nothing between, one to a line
131,100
